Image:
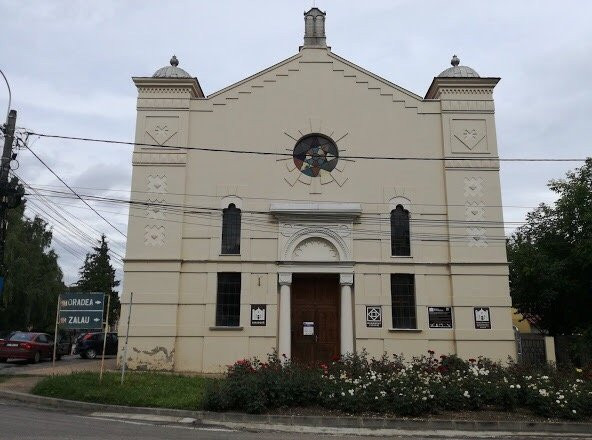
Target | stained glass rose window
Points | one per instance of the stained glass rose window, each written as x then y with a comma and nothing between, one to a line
314,153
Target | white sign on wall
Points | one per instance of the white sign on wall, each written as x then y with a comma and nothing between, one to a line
482,318
258,315
373,316
308,328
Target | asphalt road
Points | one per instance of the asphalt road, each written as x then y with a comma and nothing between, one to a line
28,423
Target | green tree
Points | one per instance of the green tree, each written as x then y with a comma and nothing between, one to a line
97,275
33,277
551,258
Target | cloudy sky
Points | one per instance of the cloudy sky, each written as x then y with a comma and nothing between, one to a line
69,64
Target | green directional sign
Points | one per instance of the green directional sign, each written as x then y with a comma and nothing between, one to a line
77,319
81,310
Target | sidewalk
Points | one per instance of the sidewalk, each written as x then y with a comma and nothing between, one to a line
17,389
68,364
19,384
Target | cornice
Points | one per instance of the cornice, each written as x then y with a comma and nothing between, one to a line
461,86
169,85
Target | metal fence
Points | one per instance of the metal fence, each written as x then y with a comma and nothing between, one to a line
531,348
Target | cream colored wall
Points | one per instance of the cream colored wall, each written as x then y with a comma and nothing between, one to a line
173,276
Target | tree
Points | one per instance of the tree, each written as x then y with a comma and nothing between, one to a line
551,258
33,277
97,275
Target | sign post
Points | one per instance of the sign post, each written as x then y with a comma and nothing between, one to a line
55,335
124,360
78,310
105,338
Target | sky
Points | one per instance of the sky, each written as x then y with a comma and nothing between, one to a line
70,63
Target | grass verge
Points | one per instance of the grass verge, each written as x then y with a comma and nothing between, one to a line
139,389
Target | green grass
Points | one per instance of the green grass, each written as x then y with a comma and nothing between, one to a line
139,389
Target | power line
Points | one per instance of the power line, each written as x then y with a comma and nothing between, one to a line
68,232
72,228
425,238
270,153
43,187
266,226
368,218
73,192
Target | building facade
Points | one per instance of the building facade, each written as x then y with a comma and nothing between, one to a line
344,214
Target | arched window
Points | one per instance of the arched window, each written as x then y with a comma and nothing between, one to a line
400,246
231,230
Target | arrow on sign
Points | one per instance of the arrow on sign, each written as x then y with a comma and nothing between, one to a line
96,319
97,302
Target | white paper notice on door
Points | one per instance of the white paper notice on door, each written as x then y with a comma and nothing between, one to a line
308,328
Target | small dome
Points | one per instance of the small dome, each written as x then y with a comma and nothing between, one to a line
457,71
172,71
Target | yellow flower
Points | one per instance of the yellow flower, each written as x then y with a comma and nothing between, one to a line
579,370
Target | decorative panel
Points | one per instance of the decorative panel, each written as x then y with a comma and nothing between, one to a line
469,136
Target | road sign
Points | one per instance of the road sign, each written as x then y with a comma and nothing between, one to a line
72,319
81,310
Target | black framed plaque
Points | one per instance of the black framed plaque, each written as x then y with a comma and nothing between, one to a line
374,316
440,317
258,315
482,318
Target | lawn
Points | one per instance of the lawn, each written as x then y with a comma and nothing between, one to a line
139,389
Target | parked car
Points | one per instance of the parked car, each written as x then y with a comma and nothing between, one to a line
90,345
32,346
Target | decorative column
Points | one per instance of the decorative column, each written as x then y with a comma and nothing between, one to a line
285,325
347,316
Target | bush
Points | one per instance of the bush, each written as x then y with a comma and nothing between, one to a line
389,385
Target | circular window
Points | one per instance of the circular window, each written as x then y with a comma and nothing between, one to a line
314,153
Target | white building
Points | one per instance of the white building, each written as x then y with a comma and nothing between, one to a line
338,252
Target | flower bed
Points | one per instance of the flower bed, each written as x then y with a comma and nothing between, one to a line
427,384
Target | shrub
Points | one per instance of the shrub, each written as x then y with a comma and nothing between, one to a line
389,385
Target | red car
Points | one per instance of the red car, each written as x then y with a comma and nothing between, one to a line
28,345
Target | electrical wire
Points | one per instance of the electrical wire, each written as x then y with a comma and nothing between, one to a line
73,192
359,233
418,237
71,227
368,218
270,153
270,199
67,234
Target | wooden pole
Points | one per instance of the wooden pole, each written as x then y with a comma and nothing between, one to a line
55,335
105,338
124,360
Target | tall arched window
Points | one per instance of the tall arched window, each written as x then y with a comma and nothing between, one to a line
400,246
231,230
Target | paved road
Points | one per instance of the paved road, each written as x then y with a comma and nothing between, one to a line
32,423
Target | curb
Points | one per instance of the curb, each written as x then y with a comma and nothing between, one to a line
303,422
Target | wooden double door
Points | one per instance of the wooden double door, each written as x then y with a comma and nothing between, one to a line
315,317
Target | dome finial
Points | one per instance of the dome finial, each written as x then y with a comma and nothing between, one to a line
172,71
455,61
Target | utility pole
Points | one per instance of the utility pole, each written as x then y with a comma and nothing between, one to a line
10,192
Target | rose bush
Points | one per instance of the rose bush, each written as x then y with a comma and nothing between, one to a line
391,385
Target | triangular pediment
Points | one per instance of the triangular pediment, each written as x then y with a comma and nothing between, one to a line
307,58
